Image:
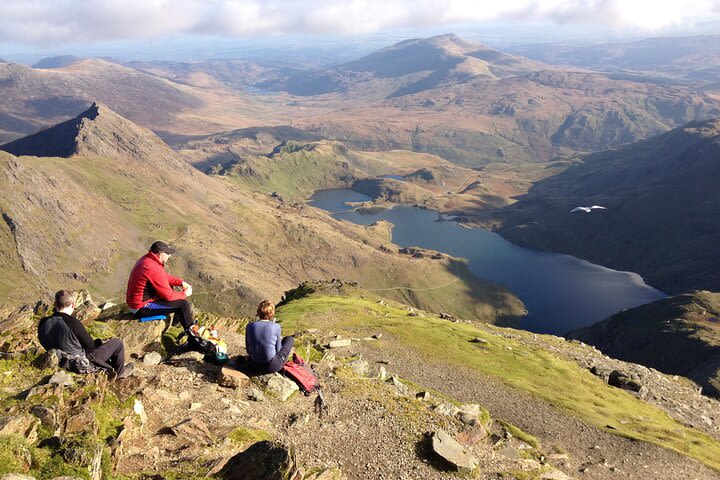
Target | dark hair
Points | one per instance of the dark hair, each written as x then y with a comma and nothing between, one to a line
64,299
161,246
266,310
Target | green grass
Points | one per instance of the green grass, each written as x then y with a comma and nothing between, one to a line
519,434
244,437
532,369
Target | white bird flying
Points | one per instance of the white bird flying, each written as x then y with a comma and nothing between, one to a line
587,209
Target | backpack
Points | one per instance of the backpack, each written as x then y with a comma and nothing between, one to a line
205,340
301,373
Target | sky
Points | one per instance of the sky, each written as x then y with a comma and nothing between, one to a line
216,27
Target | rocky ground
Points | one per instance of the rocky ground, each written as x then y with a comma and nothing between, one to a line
390,413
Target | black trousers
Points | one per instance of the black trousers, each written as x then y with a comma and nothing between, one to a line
112,353
276,363
181,308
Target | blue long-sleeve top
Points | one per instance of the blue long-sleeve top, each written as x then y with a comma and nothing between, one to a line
262,340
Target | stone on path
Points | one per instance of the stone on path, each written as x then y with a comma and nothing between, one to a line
232,378
344,342
359,366
452,452
152,358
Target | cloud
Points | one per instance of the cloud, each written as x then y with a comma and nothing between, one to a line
49,22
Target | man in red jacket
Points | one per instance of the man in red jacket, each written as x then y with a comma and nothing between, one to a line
150,292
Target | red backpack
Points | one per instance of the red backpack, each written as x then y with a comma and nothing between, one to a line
300,372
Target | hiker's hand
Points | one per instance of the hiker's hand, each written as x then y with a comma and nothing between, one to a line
187,288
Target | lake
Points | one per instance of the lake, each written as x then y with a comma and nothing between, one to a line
560,292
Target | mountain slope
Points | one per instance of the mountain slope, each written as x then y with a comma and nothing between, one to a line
662,212
678,335
121,188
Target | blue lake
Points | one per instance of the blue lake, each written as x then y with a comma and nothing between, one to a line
561,292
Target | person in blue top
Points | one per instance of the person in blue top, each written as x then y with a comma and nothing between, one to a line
267,350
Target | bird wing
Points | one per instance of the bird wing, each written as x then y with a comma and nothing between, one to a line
598,206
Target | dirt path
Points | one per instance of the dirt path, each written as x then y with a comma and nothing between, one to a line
594,454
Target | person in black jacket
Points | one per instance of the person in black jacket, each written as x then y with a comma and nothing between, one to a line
61,331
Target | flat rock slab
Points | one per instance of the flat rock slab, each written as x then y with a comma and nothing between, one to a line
452,452
281,387
193,430
152,358
231,378
344,342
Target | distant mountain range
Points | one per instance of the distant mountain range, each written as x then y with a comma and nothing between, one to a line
662,218
693,58
56,62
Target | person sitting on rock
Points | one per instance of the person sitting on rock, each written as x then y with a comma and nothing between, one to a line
149,289
76,348
267,350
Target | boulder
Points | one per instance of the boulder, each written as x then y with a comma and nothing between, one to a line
359,366
85,309
47,361
152,358
263,460
47,416
16,476
62,378
446,408
20,319
621,380
231,378
452,452
138,336
473,436
139,410
400,387
79,420
280,386
21,425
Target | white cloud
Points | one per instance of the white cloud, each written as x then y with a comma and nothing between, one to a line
56,21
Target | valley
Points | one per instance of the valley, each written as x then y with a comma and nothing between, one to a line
419,205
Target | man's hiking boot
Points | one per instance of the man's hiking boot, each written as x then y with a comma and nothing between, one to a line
127,371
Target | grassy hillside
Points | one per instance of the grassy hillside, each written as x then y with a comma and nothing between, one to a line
535,370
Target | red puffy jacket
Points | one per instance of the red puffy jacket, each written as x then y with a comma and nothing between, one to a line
149,281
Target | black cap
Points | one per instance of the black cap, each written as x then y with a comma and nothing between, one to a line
159,246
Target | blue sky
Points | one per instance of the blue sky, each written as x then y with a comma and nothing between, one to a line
215,28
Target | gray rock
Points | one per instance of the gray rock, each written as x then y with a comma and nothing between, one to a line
446,408
452,452
47,416
401,388
47,361
554,475
256,395
424,396
152,358
62,378
262,461
622,380
80,419
281,387
359,366
16,476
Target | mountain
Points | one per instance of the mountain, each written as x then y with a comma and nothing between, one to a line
677,335
116,187
56,62
662,218
694,58
408,67
527,118
36,98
